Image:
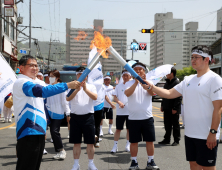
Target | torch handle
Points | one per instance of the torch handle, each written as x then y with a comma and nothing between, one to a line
81,78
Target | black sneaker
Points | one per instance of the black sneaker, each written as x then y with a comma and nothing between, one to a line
164,142
134,165
175,144
152,166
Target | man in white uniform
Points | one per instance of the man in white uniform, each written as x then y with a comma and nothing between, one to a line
202,98
108,106
82,120
122,112
141,122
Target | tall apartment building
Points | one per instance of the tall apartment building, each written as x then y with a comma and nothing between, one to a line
78,51
191,39
166,47
175,47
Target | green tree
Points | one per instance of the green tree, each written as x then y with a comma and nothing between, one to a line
186,71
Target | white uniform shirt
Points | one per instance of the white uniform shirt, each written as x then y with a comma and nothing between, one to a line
110,96
119,93
82,104
139,103
198,94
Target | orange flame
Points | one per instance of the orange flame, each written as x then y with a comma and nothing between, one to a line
101,42
81,36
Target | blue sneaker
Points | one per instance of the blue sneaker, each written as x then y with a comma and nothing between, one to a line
152,166
134,165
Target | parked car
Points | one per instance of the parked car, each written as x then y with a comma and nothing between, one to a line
67,76
155,96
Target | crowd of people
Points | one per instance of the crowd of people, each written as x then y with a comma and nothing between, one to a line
41,101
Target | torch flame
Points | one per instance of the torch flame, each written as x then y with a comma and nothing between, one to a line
101,42
81,36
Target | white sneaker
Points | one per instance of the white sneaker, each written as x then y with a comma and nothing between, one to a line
62,154
9,120
101,133
96,139
51,140
92,166
76,167
115,149
97,145
110,132
56,156
45,152
4,121
127,148
100,139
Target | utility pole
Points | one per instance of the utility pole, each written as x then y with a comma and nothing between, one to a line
30,27
132,54
49,50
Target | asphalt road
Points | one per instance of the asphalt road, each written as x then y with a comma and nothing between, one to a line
166,157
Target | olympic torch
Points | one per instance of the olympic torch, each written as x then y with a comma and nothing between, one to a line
92,64
116,55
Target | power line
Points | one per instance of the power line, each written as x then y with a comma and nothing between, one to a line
145,2
45,4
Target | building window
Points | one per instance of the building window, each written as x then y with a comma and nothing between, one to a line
6,25
12,32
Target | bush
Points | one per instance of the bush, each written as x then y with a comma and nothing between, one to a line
186,71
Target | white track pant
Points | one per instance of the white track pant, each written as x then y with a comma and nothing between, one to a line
7,112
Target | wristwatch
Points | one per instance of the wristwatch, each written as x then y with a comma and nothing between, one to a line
213,131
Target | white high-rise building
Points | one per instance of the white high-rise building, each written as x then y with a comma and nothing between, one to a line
166,47
78,51
175,47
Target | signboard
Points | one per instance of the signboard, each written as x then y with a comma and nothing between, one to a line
111,73
8,11
9,2
134,46
23,51
142,47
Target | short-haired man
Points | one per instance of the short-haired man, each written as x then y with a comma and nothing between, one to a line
82,120
122,112
141,122
172,110
40,76
108,106
202,98
29,113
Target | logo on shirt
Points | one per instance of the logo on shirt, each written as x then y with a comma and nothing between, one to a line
210,161
188,84
199,84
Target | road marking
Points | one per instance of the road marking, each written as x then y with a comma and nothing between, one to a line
9,126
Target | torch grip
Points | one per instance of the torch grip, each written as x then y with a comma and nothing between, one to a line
81,78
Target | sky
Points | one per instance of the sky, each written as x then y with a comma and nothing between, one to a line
132,15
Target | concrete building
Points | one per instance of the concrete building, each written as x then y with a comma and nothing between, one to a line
175,47
219,21
9,38
77,52
191,39
166,47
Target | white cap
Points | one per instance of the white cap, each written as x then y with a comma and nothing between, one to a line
40,74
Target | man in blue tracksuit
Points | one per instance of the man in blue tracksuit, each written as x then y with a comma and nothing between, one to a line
28,94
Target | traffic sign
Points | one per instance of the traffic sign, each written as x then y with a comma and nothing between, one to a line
111,73
23,51
142,46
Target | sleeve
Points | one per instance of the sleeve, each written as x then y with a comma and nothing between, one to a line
115,92
128,84
108,89
65,104
93,89
179,87
216,89
31,89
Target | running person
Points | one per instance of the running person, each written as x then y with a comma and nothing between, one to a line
141,122
122,112
202,98
108,106
82,120
56,106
